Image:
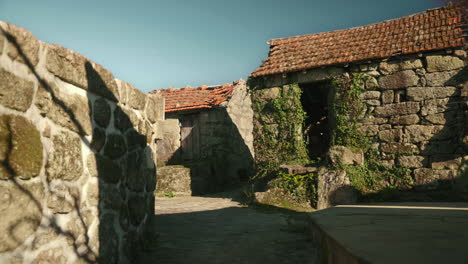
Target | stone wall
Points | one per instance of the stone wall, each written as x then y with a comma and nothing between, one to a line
415,110
223,152
77,158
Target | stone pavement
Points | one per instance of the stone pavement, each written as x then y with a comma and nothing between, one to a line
399,233
220,229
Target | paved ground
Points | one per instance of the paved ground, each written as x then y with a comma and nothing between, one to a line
397,233
219,229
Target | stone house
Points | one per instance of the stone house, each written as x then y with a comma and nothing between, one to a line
414,102
208,130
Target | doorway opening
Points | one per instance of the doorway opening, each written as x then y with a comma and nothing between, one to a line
317,132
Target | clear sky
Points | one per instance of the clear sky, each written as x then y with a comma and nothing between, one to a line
161,43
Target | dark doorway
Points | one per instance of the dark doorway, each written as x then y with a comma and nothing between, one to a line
314,99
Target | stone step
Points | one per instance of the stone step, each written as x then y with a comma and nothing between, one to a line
297,169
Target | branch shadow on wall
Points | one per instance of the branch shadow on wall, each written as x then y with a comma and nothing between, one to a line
117,187
214,151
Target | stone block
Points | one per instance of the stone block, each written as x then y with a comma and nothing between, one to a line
61,199
370,95
399,80
25,157
109,249
21,211
124,119
136,177
445,162
397,109
387,96
52,255
438,79
104,168
110,198
65,161
460,53
342,155
423,93
448,118
419,133
296,169
434,106
404,120
27,43
372,83
115,146
74,68
372,102
101,112
67,110
334,188
137,209
399,148
270,93
135,140
5,138
98,140
67,65
411,161
136,98
464,91
10,87
368,130
443,63
395,66
391,135
374,120
155,108
175,179
314,75
429,177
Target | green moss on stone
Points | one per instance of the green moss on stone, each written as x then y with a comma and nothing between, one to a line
26,154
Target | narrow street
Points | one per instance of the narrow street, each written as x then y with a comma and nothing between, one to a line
219,229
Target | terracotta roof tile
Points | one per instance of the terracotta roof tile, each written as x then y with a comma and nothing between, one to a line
437,28
195,98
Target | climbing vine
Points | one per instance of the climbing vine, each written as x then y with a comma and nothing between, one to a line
278,128
348,111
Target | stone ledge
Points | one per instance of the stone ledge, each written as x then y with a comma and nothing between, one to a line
400,233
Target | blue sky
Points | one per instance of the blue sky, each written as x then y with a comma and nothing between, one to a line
162,43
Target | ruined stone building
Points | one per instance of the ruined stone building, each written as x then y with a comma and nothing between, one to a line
208,134
414,100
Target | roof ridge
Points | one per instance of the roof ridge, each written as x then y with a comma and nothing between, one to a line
298,37
434,29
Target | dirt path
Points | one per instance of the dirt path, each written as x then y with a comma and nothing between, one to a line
209,230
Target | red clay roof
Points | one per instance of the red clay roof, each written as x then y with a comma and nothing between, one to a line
437,28
195,98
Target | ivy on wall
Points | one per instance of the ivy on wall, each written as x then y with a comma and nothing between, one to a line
348,111
278,129
279,119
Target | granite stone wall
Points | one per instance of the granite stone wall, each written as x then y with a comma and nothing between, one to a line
77,158
415,110
221,147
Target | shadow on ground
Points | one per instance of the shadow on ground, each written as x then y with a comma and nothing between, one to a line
220,229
